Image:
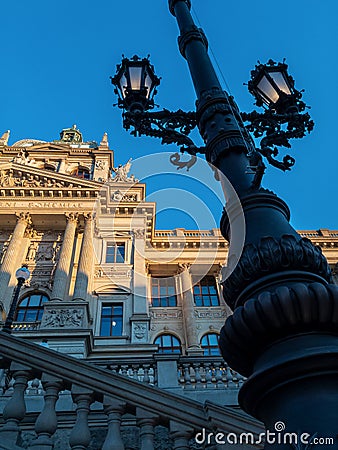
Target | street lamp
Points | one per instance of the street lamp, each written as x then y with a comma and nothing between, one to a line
283,332
22,275
135,83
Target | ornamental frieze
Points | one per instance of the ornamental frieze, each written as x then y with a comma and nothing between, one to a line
163,314
15,178
210,314
63,318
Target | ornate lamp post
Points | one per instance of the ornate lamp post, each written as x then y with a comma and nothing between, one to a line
283,334
21,275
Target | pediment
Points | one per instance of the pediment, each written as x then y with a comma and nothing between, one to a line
18,176
112,289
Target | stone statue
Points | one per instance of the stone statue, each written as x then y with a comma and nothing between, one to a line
121,173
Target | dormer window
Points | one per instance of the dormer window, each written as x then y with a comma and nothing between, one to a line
49,167
81,172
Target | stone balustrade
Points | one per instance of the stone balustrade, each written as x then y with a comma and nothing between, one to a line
109,410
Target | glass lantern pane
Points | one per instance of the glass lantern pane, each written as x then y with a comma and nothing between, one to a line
123,85
268,90
135,74
148,84
279,79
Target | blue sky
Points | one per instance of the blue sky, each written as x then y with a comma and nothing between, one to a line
57,58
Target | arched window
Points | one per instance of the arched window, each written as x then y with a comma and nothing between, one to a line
81,172
30,308
167,343
209,343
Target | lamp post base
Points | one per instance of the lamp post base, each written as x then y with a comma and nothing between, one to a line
294,391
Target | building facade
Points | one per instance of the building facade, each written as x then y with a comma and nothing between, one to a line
109,289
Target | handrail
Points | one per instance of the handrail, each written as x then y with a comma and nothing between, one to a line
166,405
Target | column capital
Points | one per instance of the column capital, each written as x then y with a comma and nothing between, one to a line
183,267
24,217
88,217
72,217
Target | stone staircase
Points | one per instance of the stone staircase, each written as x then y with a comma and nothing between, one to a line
80,406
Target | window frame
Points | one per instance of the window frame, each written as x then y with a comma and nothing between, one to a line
210,345
112,304
116,244
163,301
29,309
172,337
205,299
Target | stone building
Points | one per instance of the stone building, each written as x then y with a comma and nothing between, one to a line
126,316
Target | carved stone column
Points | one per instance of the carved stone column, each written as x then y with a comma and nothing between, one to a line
61,276
85,267
188,310
10,263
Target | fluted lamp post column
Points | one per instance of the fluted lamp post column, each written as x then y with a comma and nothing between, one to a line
21,275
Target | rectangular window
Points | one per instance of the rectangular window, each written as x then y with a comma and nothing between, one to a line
115,252
111,319
205,292
163,292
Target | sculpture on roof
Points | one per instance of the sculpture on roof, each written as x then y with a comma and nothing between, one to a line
121,173
4,138
23,158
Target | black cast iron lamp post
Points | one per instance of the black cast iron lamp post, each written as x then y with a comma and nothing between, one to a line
283,332
21,275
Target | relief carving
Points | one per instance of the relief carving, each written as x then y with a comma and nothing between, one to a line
63,318
15,178
139,330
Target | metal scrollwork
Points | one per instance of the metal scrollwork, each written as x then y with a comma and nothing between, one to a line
275,130
170,127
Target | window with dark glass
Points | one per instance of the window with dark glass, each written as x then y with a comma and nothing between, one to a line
81,172
49,167
115,252
205,292
111,319
30,308
209,343
167,343
163,292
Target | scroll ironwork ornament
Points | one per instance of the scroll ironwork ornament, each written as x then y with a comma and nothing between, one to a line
171,127
272,256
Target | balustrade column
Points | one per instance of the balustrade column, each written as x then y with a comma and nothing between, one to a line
15,408
146,421
80,436
114,409
61,276
85,267
180,435
9,264
188,310
46,423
